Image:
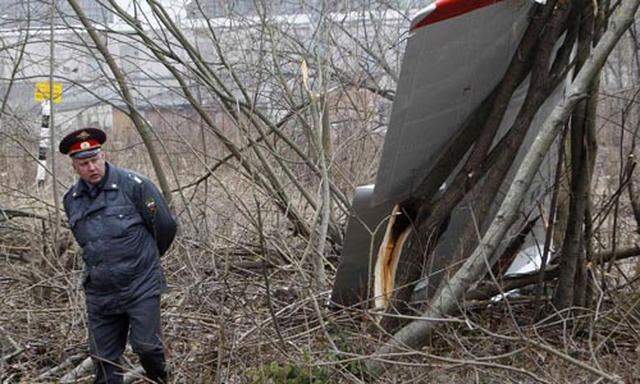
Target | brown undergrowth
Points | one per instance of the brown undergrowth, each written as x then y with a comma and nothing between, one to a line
224,321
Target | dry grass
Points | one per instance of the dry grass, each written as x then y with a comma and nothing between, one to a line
218,325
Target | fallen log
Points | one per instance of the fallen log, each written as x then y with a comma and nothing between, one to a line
8,214
131,376
86,367
76,373
52,371
12,256
13,354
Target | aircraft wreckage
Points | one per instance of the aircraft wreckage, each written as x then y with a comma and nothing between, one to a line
456,54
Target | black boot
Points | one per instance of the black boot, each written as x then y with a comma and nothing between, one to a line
154,367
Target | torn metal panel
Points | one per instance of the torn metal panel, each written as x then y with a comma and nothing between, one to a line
448,68
365,231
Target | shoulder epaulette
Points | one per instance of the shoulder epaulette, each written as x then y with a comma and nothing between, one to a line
70,192
135,177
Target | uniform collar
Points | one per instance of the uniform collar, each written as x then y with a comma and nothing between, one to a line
110,179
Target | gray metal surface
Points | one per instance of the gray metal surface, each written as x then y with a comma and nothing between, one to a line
365,231
449,243
448,68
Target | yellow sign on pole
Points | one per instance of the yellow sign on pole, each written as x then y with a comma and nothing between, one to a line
43,91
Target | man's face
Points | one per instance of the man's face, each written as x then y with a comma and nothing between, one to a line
90,169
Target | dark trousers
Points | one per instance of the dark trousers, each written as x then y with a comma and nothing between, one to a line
108,338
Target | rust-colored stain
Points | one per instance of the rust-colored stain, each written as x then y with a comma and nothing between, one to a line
389,253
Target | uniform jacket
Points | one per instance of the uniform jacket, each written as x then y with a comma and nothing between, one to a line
123,228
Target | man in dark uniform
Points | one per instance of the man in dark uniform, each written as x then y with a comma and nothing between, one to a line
123,225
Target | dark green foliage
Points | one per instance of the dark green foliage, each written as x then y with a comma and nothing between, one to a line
290,373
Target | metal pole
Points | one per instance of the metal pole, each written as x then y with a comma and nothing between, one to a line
43,145
52,141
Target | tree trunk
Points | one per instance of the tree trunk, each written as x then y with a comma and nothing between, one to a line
572,285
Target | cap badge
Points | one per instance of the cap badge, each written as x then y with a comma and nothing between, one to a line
85,145
83,135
